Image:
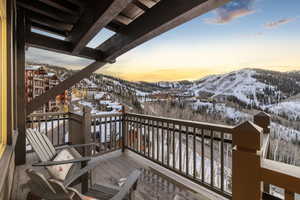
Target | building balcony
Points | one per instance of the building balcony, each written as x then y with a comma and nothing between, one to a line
169,152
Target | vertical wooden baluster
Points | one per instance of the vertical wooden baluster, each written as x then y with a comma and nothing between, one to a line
157,140
105,133
222,161
153,140
211,158
289,195
168,145
140,135
129,126
148,143
187,150
162,143
39,123
202,156
145,135
180,150
121,132
58,131
100,132
94,129
64,129
46,125
52,129
111,133
174,138
194,152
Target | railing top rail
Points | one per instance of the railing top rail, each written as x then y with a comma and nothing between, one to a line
47,114
202,125
281,174
107,115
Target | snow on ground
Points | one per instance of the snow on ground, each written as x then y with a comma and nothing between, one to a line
99,95
90,83
218,108
240,84
290,109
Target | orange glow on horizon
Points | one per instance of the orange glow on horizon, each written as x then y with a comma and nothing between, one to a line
184,73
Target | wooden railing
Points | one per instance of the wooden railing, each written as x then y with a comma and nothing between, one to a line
198,151
231,161
107,131
54,125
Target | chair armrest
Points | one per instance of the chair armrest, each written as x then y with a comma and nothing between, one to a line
75,146
51,163
128,186
91,165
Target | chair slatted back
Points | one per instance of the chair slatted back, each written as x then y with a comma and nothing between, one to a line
47,189
41,144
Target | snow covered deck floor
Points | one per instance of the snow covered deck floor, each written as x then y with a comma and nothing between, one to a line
151,186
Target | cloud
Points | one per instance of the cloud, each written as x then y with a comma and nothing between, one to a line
280,22
231,11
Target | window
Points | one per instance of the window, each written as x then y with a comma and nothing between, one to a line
3,77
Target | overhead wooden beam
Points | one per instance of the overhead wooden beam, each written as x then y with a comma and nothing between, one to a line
46,21
94,18
38,7
115,26
61,46
140,5
59,5
39,101
48,29
162,17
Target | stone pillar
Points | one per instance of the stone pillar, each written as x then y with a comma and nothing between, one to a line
246,162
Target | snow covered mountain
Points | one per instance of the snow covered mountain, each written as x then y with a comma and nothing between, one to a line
249,86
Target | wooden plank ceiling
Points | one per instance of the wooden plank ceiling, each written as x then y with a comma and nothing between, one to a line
133,21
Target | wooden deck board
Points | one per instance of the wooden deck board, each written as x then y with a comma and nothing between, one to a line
151,185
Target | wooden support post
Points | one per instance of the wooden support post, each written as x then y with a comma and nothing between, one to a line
124,129
80,133
86,129
263,120
80,128
20,83
246,162
289,195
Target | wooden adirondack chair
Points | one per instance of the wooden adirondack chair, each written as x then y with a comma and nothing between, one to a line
47,152
51,189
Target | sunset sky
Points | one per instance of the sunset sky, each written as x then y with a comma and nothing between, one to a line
244,33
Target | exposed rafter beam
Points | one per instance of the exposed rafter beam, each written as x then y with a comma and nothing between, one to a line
48,29
162,17
59,5
115,26
140,5
38,7
60,46
94,18
46,21
39,101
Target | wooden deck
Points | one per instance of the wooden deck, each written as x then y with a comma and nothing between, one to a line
151,185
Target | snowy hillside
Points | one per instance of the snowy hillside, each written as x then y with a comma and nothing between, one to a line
239,84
